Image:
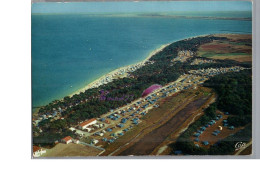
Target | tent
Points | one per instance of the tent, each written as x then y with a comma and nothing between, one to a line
104,139
120,125
205,142
231,127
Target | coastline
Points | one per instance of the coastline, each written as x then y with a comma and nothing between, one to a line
114,73
119,70
137,65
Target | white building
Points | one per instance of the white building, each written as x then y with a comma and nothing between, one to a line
72,129
88,129
76,141
66,140
87,123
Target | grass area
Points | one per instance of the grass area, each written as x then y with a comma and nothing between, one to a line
71,149
86,140
173,136
206,93
168,107
162,117
215,55
237,48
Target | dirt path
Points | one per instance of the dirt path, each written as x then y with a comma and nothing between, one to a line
150,141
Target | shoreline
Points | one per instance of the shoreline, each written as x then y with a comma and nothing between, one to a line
125,69
140,63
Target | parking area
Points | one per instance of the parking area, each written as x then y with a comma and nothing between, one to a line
116,123
213,131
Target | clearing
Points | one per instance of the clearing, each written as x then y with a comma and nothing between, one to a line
150,141
71,149
237,48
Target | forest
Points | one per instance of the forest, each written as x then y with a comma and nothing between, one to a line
234,92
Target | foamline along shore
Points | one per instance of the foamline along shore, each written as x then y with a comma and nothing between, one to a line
109,77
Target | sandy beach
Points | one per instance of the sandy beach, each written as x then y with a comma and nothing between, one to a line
119,72
109,77
123,71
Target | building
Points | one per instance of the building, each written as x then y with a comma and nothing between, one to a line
66,140
72,129
95,141
76,141
88,129
85,124
38,151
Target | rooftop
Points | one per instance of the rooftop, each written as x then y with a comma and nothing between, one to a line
87,122
36,148
67,138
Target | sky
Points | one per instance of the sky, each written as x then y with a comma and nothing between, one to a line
131,7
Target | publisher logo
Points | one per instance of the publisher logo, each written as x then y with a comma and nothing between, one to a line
240,145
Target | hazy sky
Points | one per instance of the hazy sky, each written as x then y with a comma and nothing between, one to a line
128,7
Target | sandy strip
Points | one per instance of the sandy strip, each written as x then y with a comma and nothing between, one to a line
141,63
97,82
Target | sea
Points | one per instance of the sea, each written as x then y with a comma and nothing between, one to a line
71,50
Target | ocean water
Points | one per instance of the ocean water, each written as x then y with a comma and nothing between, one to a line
71,50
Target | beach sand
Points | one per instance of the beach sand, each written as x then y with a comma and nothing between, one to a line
114,74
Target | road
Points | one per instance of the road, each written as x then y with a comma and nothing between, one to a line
150,141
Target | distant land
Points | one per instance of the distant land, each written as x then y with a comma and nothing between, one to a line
169,16
198,17
160,16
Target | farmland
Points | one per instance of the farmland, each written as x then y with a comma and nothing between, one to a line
237,48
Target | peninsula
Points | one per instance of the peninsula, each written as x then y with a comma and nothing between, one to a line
202,105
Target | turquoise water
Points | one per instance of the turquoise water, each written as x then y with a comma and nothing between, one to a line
69,51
